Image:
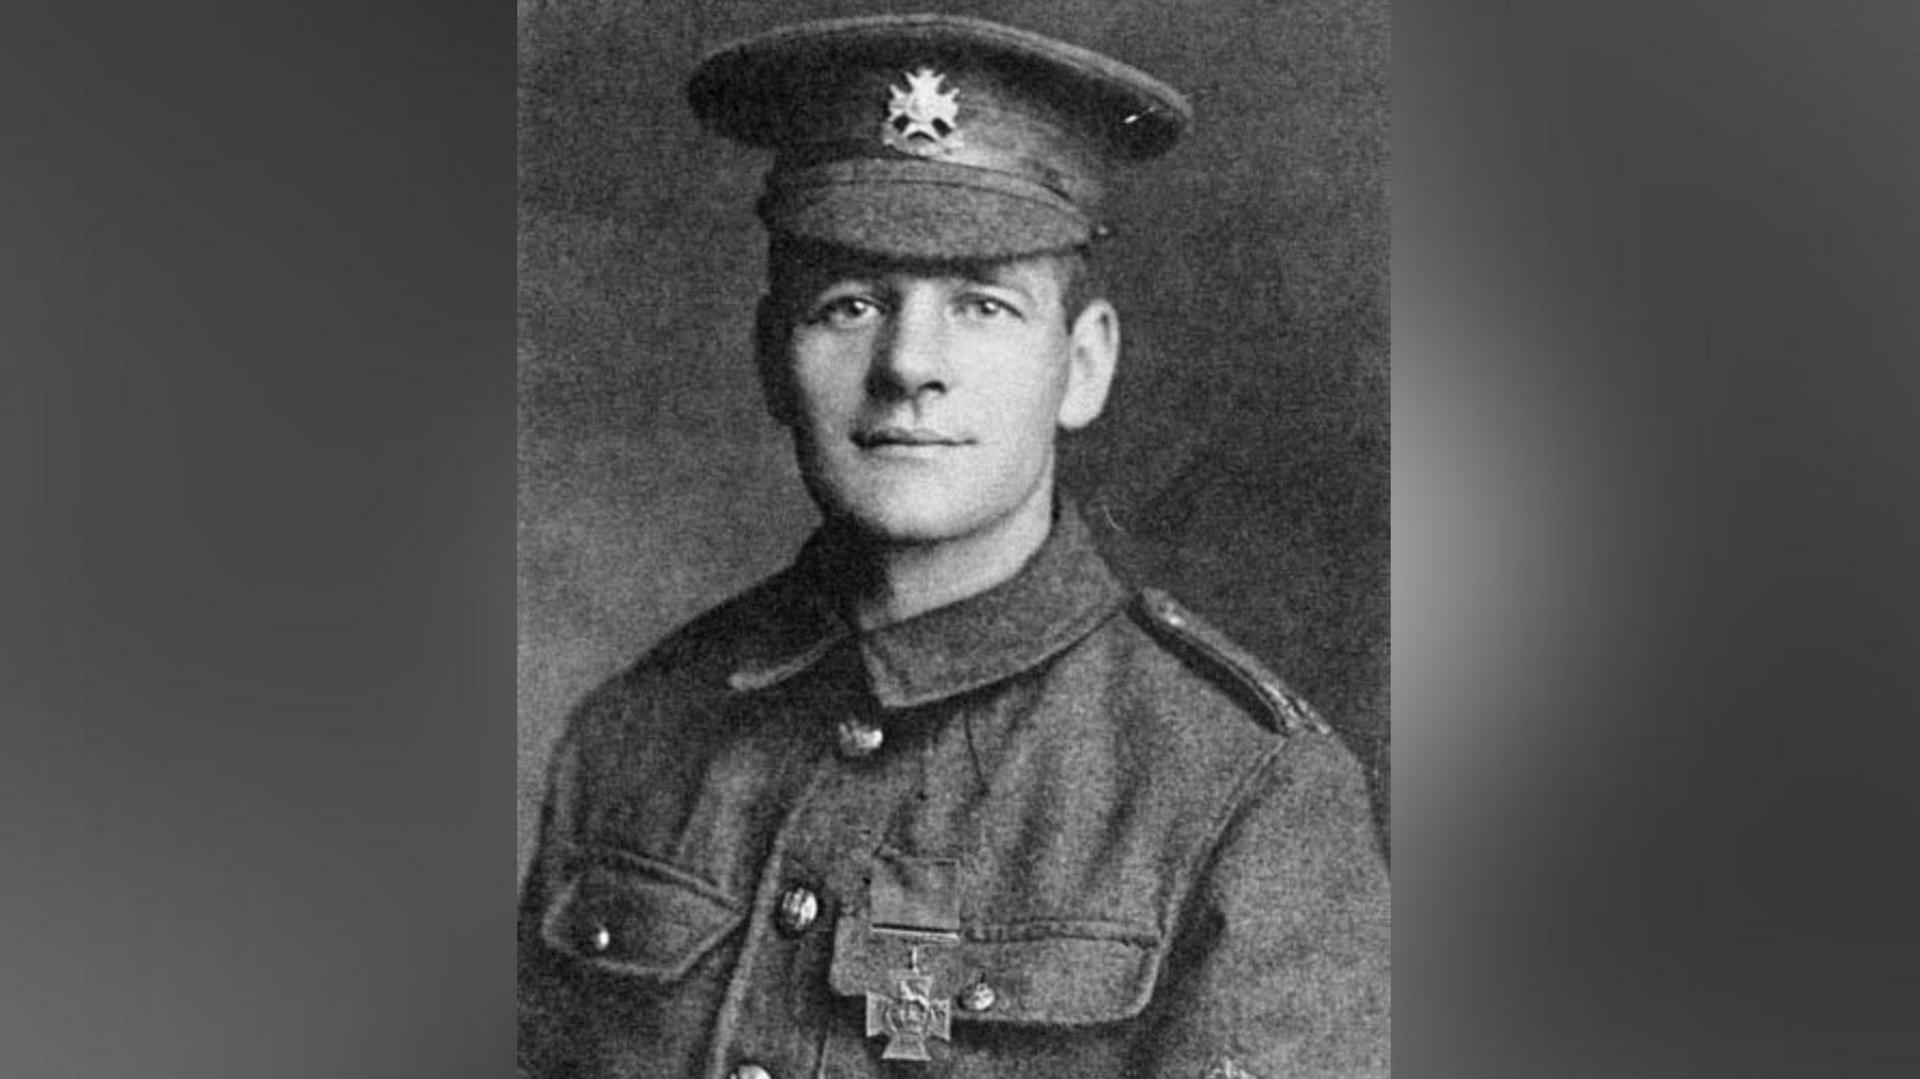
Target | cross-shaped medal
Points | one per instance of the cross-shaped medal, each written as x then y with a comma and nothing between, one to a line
911,1017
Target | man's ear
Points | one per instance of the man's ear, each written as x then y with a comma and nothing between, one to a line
770,357
1093,352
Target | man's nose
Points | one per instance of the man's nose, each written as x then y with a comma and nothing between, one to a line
912,353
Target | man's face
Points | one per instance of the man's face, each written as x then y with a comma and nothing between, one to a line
924,399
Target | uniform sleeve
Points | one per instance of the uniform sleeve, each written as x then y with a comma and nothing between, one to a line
541,1039
1282,965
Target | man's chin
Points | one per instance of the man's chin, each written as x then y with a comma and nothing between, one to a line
900,527
921,514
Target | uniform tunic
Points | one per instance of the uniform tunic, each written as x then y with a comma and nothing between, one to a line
1058,829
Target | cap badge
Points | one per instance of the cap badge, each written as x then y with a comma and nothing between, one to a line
921,118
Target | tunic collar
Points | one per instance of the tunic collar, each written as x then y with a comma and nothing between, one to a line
1063,592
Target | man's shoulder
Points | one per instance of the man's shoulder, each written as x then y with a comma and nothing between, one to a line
697,657
1216,727
714,641
1198,658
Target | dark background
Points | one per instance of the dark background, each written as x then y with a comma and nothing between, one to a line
1242,461
1653,526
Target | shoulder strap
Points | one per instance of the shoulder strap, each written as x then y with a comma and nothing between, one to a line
1283,709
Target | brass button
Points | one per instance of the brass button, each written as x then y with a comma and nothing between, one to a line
798,909
978,997
600,939
749,1071
858,738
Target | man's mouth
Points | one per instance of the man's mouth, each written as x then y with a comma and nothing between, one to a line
881,437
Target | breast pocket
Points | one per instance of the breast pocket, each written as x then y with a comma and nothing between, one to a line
625,977
628,915
1057,999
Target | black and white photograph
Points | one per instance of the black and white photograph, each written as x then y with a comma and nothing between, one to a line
953,540
919,495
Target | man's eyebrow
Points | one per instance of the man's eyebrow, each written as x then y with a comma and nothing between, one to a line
998,275
812,281
812,278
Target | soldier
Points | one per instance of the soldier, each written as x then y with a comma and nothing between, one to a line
946,798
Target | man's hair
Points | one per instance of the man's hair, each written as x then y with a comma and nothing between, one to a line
1076,268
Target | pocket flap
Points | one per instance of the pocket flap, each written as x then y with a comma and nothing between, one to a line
1067,973
638,917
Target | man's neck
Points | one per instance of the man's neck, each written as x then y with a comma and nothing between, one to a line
899,581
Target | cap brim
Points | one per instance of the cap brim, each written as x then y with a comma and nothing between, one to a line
744,90
923,220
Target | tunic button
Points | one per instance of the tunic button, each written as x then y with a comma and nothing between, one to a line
797,911
978,997
749,1071
858,738
600,939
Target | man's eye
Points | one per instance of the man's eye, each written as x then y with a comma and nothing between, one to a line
844,311
987,307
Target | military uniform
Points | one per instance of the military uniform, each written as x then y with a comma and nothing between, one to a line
1058,829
